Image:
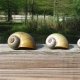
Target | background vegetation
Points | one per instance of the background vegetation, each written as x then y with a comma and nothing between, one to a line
61,16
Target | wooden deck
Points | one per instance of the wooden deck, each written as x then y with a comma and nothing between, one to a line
40,64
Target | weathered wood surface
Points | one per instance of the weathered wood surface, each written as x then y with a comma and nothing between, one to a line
40,64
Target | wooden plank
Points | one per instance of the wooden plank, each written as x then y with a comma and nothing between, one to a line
42,72
37,73
38,78
38,61
40,64
41,48
56,73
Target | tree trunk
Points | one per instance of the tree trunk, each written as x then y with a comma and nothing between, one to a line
54,7
9,12
44,15
32,8
9,16
26,13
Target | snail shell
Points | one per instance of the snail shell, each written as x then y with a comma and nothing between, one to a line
21,40
57,40
78,43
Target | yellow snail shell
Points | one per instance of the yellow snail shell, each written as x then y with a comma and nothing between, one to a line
57,40
21,40
78,43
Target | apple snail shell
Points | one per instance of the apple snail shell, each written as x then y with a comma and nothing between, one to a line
21,40
57,40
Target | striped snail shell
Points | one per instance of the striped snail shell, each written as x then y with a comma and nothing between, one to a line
57,40
21,40
78,43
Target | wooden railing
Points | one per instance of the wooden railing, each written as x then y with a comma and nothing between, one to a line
40,64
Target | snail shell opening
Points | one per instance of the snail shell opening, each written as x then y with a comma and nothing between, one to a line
13,42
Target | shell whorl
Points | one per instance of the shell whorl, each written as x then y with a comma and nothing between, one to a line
13,42
78,43
50,42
